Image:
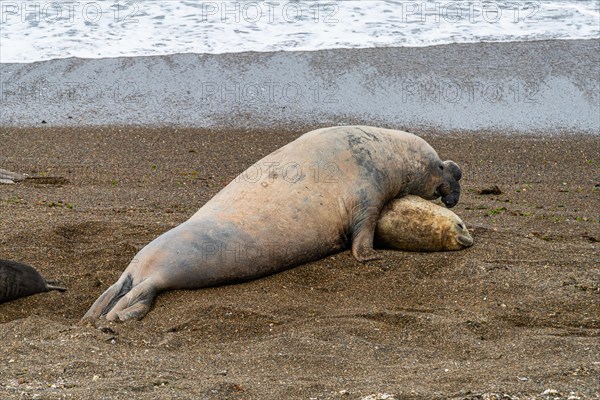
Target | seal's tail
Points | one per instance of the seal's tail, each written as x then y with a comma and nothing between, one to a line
124,300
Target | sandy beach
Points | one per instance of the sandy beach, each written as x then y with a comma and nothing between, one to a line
514,317
516,314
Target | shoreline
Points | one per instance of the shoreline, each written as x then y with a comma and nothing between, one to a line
296,51
547,86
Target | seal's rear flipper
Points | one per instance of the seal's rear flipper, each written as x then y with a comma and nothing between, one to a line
50,285
135,304
110,297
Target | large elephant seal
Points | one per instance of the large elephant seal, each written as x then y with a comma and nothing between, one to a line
19,280
411,223
315,196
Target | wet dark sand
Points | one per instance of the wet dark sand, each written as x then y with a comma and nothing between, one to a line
550,86
517,314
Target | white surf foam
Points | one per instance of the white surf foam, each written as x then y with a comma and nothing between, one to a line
33,31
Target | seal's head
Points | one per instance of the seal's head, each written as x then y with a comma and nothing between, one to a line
441,179
449,189
413,224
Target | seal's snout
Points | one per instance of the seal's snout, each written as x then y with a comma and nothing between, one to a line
463,237
450,200
450,188
465,240
449,191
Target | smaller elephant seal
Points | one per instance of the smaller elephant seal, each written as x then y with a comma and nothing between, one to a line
414,224
19,280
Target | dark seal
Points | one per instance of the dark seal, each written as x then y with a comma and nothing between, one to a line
19,280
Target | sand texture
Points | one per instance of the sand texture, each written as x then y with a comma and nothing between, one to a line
516,315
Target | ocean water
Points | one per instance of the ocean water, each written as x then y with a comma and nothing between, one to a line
41,30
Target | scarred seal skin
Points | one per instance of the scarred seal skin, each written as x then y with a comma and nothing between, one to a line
19,280
414,224
320,194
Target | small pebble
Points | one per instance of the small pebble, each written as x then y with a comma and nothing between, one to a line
550,392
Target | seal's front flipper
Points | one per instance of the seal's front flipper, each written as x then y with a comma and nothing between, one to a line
364,253
109,298
135,304
362,240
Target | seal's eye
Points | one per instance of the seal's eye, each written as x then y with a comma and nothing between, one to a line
461,226
442,167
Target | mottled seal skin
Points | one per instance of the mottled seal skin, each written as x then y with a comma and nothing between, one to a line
263,223
414,224
19,280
